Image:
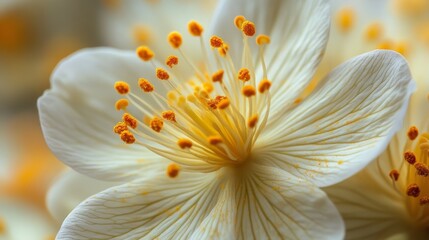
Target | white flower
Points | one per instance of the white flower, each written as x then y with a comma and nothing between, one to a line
243,160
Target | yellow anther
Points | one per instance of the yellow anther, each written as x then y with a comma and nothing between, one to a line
422,169
181,101
402,48
345,18
141,34
373,31
191,98
410,157
195,29
169,115
216,42
223,50
173,170
184,143
224,103
203,94
127,137
121,104
244,74
156,124
129,120
208,86
172,61
238,21
212,103
218,76
411,7
424,200
412,133
248,28
252,121
144,53
120,127
145,85
264,85
122,87
161,74
394,175
175,39
262,39
214,140
413,190
248,90
385,44
171,95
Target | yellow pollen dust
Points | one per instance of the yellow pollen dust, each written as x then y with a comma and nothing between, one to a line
129,120
121,104
195,29
173,170
169,115
120,127
184,143
127,137
122,87
248,91
262,39
156,124
252,121
214,140
410,157
345,18
244,74
264,85
175,39
161,74
248,28
238,21
412,133
413,190
216,42
172,61
145,53
394,175
145,85
218,76
373,31
224,103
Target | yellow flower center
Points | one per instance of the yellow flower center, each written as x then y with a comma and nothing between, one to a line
215,118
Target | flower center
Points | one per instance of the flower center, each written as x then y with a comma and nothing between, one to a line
215,117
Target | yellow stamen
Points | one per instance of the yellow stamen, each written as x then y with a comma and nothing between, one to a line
373,31
121,104
127,137
216,42
120,127
244,74
161,74
195,29
169,115
184,143
122,87
248,28
238,21
264,85
251,122
248,90
145,85
345,19
173,170
223,50
175,39
214,140
218,76
413,132
145,53
172,61
208,86
262,39
129,120
156,124
224,103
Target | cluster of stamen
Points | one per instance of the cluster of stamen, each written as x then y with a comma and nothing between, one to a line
214,118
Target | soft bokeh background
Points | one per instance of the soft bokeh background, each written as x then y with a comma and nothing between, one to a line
36,34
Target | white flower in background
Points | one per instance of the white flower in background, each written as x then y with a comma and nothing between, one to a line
229,150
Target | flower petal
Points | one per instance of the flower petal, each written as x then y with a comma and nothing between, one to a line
273,204
168,208
345,123
77,115
70,189
298,31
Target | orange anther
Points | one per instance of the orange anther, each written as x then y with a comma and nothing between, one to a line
262,39
129,120
216,42
218,76
248,28
244,74
175,39
412,133
127,137
195,28
264,85
169,115
173,170
156,124
184,143
252,121
248,90
172,61
122,87
145,85
144,53
213,140
121,104
120,127
161,74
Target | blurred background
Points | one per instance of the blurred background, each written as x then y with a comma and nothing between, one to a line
36,34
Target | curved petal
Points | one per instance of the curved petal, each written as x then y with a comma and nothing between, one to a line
77,114
70,189
345,123
273,204
298,31
168,208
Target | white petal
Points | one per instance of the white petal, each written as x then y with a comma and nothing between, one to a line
273,204
70,189
163,207
78,114
298,31
345,123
